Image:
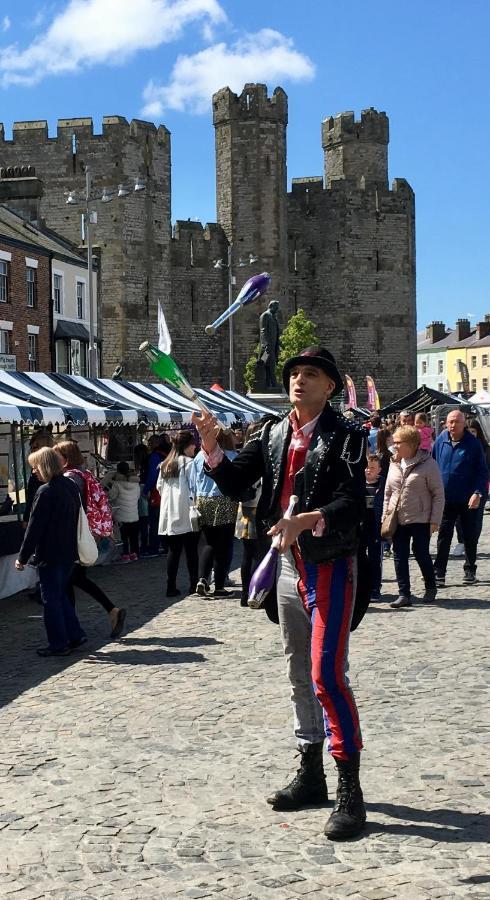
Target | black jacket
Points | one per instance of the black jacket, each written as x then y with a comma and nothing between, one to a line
51,534
332,480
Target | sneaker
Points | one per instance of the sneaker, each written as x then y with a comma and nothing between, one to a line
133,557
173,592
376,595
458,550
221,592
430,594
118,623
401,601
440,581
125,558
46,651
202,587
469,578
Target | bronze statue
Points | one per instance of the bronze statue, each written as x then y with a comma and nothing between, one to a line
269,343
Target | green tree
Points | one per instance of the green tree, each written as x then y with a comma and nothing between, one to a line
299,333
249,370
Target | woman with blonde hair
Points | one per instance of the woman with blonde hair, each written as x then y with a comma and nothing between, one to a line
51,541
414,493
73,464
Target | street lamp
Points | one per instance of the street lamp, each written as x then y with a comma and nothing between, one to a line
89,217
221,264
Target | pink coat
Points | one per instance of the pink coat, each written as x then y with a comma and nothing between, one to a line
426,437
420,489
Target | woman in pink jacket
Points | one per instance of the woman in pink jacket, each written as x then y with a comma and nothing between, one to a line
414,486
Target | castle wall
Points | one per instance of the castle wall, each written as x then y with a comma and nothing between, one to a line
132,235
352,270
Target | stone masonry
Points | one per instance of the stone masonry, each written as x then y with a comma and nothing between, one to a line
341,246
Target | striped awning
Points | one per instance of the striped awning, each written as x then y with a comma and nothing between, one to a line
36,398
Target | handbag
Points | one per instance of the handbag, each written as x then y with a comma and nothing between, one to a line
86,543
390,521
195,517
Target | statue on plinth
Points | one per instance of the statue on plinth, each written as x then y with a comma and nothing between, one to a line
269,344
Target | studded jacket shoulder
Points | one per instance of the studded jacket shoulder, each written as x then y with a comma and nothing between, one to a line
332,480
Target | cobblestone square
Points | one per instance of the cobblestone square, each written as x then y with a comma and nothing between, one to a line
138,769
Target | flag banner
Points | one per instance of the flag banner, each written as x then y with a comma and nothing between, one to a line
373,399
164,339
351,392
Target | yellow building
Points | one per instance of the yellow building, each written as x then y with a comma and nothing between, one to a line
471,346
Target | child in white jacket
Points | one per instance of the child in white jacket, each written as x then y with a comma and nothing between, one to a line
124,493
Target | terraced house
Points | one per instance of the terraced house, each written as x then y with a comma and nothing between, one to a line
444,354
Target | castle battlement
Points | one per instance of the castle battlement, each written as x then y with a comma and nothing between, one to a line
36,132
198,246
373,127
252,103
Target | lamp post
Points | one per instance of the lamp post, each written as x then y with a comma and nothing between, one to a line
89,217
220,264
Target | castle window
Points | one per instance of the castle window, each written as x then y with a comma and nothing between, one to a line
4,282
193,304
31,286
247,101
268,165
377,260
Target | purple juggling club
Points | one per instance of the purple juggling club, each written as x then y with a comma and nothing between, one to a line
265,574
253,288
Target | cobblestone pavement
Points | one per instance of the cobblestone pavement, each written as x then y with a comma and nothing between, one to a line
138,769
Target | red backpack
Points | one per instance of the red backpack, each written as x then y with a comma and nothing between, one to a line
98,510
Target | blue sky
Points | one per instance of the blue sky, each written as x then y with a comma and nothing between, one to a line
425,63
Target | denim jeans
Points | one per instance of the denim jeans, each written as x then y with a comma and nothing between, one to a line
419,534
60,619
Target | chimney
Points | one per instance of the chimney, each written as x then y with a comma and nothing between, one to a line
483,328
435,331
463,329
21,191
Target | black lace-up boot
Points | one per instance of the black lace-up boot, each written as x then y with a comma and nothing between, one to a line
308,786
349,814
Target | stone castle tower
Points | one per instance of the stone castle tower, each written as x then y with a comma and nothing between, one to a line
132,235
340,245
352,255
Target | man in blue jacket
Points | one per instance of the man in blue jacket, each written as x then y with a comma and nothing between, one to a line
460,458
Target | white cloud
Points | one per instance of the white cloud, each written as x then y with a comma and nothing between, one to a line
91,32
266,56
6,23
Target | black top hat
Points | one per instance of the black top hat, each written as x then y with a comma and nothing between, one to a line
314,356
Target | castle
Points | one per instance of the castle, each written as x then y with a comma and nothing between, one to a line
341,245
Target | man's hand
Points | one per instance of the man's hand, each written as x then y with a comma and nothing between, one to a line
434,527
18,565
208,428
24,525
474,501
290,529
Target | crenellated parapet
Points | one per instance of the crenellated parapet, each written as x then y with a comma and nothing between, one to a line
355,149
113,127
198,246
253,102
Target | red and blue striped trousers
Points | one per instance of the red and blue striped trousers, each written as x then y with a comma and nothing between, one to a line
315,605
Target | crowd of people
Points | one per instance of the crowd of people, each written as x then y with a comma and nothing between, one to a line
360,492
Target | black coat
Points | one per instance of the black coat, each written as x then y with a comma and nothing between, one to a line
332,480
51,535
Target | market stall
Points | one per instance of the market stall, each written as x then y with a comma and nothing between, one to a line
88,409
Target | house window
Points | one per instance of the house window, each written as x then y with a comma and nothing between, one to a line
473,384
459,386
473,362
32,347
484,359
424,367
76,365
440,366
80,299
4,341
440,387
62,357
31,286
484,384
58,293
4,282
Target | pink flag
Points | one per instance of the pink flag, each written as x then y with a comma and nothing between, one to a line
351,393
373,399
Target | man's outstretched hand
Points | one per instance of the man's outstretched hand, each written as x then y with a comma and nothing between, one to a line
208,428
